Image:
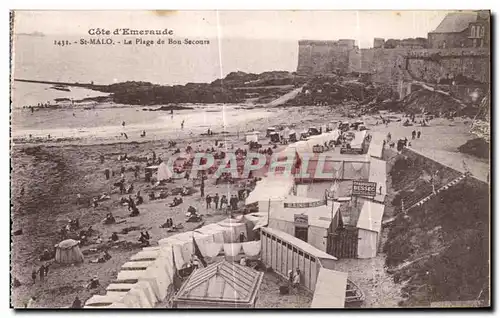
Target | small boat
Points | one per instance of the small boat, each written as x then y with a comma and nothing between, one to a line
354,296
61,88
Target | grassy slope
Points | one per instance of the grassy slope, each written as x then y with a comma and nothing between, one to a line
446,240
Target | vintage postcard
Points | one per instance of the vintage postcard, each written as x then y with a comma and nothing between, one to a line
250,159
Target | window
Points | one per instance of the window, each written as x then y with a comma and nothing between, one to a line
301,253
472,31
279,241
307,256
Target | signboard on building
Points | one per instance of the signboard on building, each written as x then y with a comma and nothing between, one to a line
301,220
313,204
351,151
364,188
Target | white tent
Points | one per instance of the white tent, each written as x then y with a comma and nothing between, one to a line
271,188
68,252
164,172
232,230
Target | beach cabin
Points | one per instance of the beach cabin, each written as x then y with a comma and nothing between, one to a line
310,220
376,148
369,226
220,285
270,130
284,252
252,136
358,143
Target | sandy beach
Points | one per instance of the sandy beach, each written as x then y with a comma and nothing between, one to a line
48,175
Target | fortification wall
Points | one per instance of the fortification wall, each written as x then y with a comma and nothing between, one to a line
391,66
430,65
322,57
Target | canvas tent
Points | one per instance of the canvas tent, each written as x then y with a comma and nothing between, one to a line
164,172
220,285
271,188
376,145
68,252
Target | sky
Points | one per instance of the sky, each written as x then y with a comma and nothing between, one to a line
362,26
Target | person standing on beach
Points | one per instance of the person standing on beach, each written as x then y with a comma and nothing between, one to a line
418,134
208,199
41,272
182,125
123,123
216,201
33,275
106,173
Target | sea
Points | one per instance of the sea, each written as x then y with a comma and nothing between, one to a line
41,58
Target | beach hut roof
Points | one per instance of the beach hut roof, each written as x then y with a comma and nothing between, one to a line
299,243
271,188
69,243
370,217
330,289
221,283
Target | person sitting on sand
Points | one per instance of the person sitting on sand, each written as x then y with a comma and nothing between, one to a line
130,188
185,191
114,237
93,283
110,219
166,224
77,303
139,198
177,201
45,255
192,211
135,212
144,239
152,196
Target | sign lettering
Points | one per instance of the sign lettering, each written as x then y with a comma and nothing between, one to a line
364,188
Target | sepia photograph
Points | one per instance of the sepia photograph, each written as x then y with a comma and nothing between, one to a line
286,159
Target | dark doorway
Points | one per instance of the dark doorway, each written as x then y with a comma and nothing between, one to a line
301,233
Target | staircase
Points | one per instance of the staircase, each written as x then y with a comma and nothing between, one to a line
411,204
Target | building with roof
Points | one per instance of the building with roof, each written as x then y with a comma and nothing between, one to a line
284,253
310,220
220,285
369,227
461,29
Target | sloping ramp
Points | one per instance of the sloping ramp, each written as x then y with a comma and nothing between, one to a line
285,98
